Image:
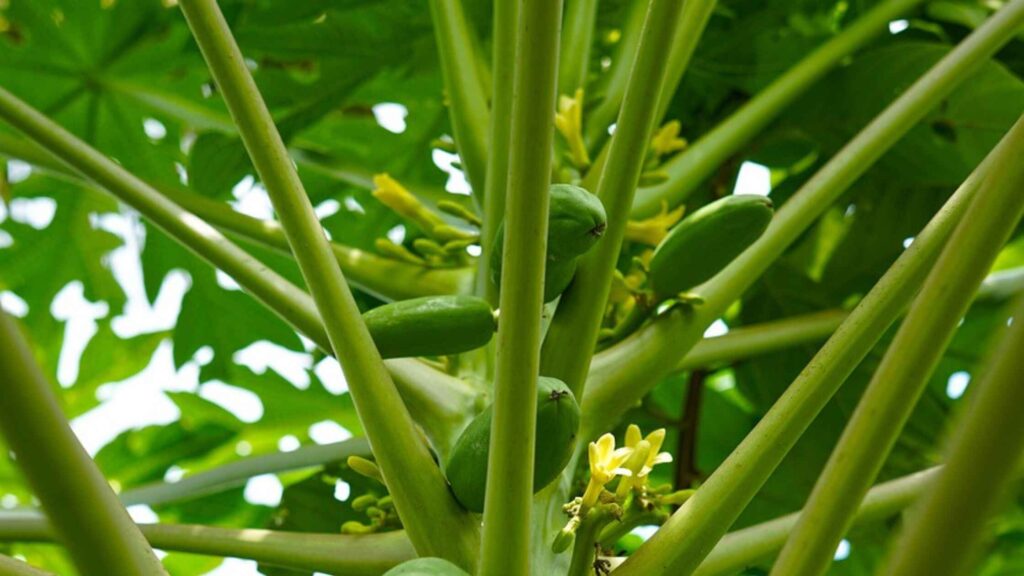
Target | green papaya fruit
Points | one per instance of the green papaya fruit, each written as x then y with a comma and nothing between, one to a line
426,567
431,326
576,221
558,421
706,241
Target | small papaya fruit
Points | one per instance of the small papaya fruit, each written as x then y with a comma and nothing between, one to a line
426,567
576,221
706,241
558,421
431,326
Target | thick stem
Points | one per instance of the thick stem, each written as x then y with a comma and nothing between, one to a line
746,547
689,169
434,521
577,40
87,516
915,351
706,516
506,534
945,530
467,102
364,555
568,347
660,344
503,64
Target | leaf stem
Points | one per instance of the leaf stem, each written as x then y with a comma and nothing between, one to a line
236,473
506,533
573,332
383,277
465,88
577,40
720,500
363,555
436,524
944,532
661,342
691,23
87,516
765,337
503,68
746,547
286,300
912,356
692,167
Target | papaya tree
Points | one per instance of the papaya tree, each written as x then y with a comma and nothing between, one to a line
513,287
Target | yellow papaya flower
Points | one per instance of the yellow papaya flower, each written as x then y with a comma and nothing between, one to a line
654,457
652,231
605,464
392,194
569,122
666,140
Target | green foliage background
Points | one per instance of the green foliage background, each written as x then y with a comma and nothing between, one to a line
100,68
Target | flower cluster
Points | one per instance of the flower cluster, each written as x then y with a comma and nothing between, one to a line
631,464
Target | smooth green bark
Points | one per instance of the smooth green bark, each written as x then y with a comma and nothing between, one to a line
86,514
912,356
944,532
693,166
568,346
434,521
507,525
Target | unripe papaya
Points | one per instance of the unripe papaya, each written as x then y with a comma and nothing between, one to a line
558,421
426,567
431,326
706,241
576,221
